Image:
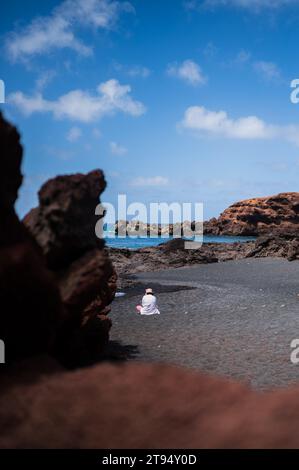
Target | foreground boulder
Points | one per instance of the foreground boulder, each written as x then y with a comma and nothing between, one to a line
141,406
56,278
31,309
64,226
258,216
64,222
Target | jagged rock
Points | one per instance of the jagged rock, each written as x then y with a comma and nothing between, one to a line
64,223
284,245
31,309
87,288
63,310
142,229
173,254
258,216
64,227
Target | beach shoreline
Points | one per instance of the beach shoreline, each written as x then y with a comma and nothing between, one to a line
234,319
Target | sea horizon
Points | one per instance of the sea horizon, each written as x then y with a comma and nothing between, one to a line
134,243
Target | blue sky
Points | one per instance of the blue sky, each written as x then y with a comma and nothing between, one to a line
175,100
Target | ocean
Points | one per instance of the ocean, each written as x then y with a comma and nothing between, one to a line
142,242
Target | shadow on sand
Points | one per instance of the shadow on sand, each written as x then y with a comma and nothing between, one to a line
116,351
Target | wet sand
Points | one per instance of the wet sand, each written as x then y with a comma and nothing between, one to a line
235,319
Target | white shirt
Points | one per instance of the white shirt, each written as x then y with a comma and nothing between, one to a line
149,305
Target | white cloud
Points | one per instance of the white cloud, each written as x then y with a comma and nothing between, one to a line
201,119
117,149
268,70
254,5
217,123
58,30
79,105
74,134
141,181
188,71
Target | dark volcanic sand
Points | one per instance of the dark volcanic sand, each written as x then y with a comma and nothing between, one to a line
235,319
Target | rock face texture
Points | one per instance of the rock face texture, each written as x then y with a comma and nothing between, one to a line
173,254
56,278
64,223
285,245
258,216
64,227
142,229
141,406
31,309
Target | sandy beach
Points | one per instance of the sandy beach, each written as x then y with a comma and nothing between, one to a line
234,319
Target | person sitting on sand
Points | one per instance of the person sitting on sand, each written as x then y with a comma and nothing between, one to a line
149,304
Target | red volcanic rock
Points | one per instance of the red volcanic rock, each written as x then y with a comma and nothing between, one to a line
31,309
90,277
65,310
64,222
64,226
258,216
87,288
141,406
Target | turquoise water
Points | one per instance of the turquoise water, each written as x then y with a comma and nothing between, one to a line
140,242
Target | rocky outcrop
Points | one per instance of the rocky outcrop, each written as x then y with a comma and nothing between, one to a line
142,229
64,223
285,245
258,216
141,406
31,309
64,226
173,254
56,278
251,217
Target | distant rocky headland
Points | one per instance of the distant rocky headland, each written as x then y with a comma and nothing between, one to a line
274,220
258,216
142,229
250,217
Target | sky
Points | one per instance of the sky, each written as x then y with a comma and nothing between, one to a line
176,100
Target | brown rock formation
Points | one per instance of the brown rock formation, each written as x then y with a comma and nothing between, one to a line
36,313
64,227
64,223
258,216
141,406
173,254
31,309
285,245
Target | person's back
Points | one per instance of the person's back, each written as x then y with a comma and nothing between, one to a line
149,304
